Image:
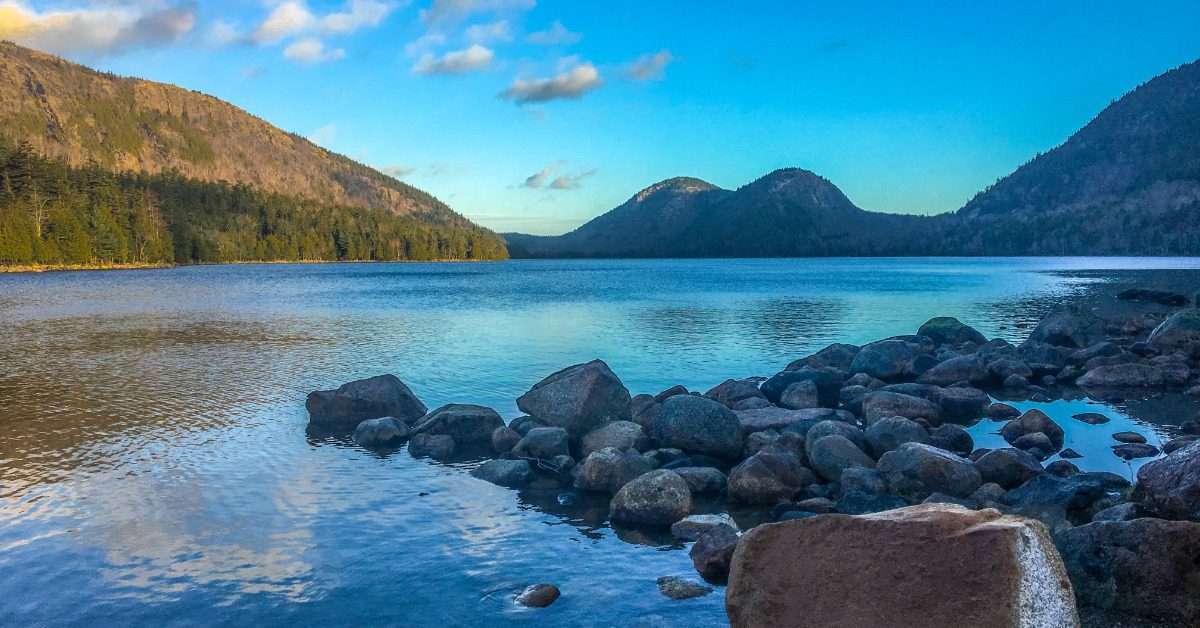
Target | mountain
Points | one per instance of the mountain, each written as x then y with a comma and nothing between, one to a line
227,185
1128,183
787,213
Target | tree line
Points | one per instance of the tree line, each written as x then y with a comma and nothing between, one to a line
55,214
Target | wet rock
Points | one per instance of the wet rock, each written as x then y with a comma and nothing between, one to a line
1091,418
1175,444
839,356
466,424
692,527
1009,468
967,368
962,405
1015,382
830,428
543,443
658,498
713,553
889,433
679,589
757,441
509,473
664,455
1062,468
702,480
781,419
1122,376
1128,437
1068,327
504,438
862,479
827,381
1057,501
1036,443
698,425
671,392
538,596
1001,412
436,446
915,470
1144,567
878,405
609,469
886,359
1148,295
987,494
1170,487
522,424
1133,451
729,392
952,438
949,330
578,398
383,432
1125,511
643,408
1001,370
1033,422
619,434
831,455
357,401
772,475
1070,454
800,396
1024,584
753,403
866,502
1181,333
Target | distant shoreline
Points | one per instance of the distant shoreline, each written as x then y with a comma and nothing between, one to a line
44,268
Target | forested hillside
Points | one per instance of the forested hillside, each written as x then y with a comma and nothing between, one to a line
52,213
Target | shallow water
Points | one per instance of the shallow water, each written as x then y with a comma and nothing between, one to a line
154,466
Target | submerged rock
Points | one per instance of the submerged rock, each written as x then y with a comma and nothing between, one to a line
538,596
900,568
543,443
698,425
1008,467
508,473
382,432
692,527
436,446
658,498
713,553
578,398
504,438
680,589
1091,418
1034,422
357,401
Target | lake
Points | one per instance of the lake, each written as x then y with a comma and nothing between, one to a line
154,466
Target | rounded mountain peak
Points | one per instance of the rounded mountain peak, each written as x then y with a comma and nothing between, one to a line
675,185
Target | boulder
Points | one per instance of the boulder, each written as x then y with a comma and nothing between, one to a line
1068,327
780,419
837,355
731,391
830,428
504,439
436,446
509,473
538,596
967,368
800,396
658,498
828,382
962,405
1180,333
863,479
713,552
1170,487
1008,467
889,433
543,443
383,432
1001,370
1032,422
1144,567
1123,376
702,480
928,565
880,404
755,442
466,424
1057,501
619,434
1062,468
886,359
522,424
914,471
1001,412
610,469
643,408
698,425
867,502
578,398
772,475
692,527
952,438
947,330
831,455
357,401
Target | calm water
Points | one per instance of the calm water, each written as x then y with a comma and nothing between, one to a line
154,466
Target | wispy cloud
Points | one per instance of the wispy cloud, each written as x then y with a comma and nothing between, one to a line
100,27
324,136
456,62
570,181
397,172
545,178
311,50
450,10
294,19
539,179
487,33
554,35
650,67
572,84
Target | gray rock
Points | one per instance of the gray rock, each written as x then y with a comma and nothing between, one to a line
1132,451
828,382
1001,370
988,493
831,428
753,403
383,432
522,424
610,469
1001,412
675,588
702,480
731,391
578,398
1057,501
692,527
1128,437
1122,376
831,455
914,471
509,473
863,479
1091,418
878,405
713,553
889,433
644,408
950,331
839,356
1175,444
967,368
698,425
1181,333
1170,487
504,438
538,596
544,443
757,441
619,434
952,438
658,498
886,359
436,446
466,424
1062,468
780,419
865,503
1072,328
1125,511
800,396
357,401
962,405
1008,467
772,475
1032,422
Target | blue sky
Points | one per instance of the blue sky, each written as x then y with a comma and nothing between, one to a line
537,115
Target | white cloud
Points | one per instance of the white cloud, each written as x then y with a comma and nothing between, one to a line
293,18
311,50
572,84
397,172
424,42
457,62
570,181
105,27
222,33
545,178
288,18
554,35
445,10
486,33
650,67
324,136
358,14
538,179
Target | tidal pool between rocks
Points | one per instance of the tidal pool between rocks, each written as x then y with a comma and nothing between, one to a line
155,469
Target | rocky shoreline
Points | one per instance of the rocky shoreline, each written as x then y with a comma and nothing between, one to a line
854,443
